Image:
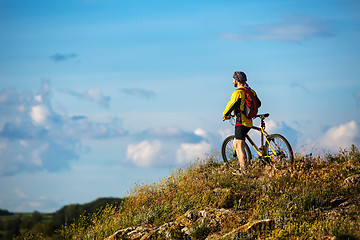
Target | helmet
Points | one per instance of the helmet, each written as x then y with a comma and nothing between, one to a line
240,77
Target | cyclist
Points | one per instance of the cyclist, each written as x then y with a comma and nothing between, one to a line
242,124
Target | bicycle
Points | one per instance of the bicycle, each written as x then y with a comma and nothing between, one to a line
273,149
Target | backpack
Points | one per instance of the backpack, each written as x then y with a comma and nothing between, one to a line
251,103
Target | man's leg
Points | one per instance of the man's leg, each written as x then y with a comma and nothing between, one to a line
239,146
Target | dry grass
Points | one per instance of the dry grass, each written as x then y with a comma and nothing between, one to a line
299,197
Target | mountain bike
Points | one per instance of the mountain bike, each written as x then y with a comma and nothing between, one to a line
273,148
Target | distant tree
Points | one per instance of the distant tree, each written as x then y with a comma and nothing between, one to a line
4,212
37,216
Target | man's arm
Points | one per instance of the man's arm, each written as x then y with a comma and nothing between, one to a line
232,104
232,107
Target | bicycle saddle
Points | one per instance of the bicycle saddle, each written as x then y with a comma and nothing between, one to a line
262,116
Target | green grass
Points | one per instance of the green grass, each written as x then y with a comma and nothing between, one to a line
298,197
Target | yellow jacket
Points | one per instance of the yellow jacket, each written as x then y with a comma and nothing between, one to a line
235,105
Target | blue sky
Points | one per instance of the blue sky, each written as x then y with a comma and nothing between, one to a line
96,96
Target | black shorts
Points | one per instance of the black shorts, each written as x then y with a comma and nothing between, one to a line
241,131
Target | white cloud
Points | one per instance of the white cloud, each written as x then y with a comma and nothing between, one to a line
144,154
38,98
279,127
200,132
19,193
169,146
36,155
95,95
189,151
342,136
272,126
39,114
23,143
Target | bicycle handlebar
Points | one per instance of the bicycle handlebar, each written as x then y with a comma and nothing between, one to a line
261,116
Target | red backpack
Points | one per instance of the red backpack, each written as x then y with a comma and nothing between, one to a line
251,103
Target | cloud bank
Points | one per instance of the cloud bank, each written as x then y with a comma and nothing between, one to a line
342,136
169,146
33,137
291,29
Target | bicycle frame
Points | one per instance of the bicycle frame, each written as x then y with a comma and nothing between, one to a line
261,151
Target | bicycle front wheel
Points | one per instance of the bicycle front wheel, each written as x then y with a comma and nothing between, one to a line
229,154
279,150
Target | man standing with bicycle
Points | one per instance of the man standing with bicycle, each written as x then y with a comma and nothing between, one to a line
242,123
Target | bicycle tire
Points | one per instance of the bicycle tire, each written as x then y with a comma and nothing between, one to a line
282,148
229,155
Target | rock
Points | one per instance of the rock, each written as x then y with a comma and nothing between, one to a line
192,224
163,230
138,233
258,225
120,233
247,230
191,215
204,224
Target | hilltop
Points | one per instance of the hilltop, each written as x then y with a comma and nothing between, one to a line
315,197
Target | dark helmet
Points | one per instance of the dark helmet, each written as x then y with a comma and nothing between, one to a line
240,77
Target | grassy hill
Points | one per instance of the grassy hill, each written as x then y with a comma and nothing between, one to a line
313,198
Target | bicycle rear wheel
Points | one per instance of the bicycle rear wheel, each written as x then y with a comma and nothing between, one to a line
281,147
229,154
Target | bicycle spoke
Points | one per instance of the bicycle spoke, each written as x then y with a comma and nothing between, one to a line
279,149
229,155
